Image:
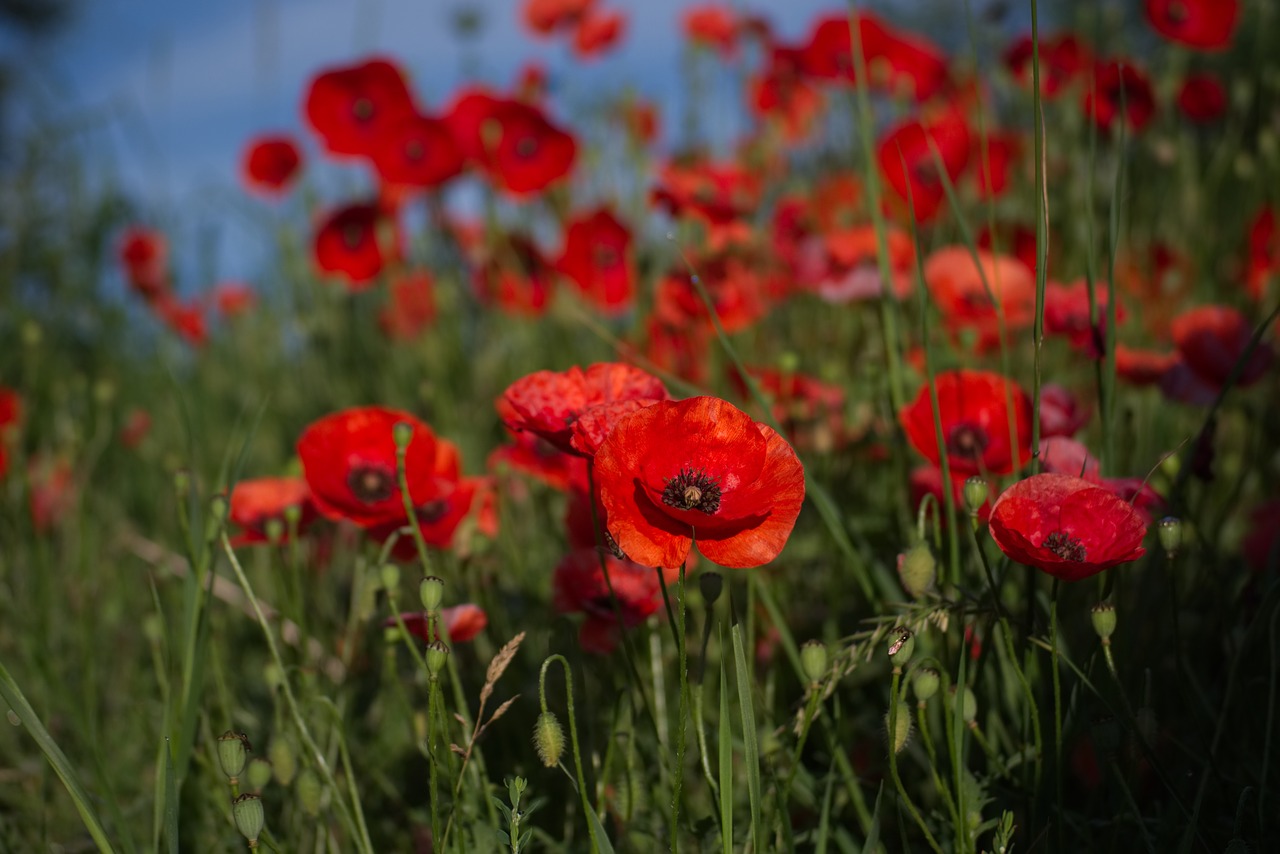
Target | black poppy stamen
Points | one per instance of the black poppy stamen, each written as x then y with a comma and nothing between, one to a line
1065,546
692,490
967,441
372,483
527,147
362,109
431,511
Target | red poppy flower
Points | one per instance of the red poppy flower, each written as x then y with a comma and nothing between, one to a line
699,466
641,121
440,518
894,60
186,319
515,275
1201,24
271,164
144,255
974,410
1202,98
544,17
1138,494
353,107
1061,413
417,151
781,92
232,299
927,480
959,287
1062,59
579,586
595,424
461,623
1118,83
412,307
513,142
678,348
809,411
598,31
1212,338
1264,252
533,455
10,413
909,143
349,460
597,257
1064,455
51,491
1143,367
738,285
258,502
712,25
347,243
137,424
548,403
716,193
1017,239
1066,313
1066,526
994,162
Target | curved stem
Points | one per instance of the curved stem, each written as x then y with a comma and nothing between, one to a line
573,735
893,763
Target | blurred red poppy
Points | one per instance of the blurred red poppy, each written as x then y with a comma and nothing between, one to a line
417,151
258,503
1064,455
136,426
461,623
411,307
548,403
1201,24
1264,252
895,61
1138,494
995,160
738,285
597,258
927,480
10,415
51,490
712,25
1142,367
232,299
1212,338
780,91
1202,98
440,517
809,411
514,274
186,319
1261,545
597,31
349,460
1061,413
1066,526
963,290
352,108
513,142
1062,59
347,243
271,164
848,267
579,586
533,455
974,411
544,17
1119,85
906,158
144,255
1066,313
700,467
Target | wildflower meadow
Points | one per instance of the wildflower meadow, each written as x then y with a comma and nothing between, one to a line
895,472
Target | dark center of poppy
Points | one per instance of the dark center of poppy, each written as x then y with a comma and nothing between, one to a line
526,147
362,109
1065,546
692,490
414,150
431,511
372,483
605,257
926,175
967,440
1176,13
352,236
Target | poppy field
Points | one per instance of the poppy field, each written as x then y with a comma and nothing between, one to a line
898,474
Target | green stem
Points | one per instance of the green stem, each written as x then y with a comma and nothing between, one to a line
573,736
893,762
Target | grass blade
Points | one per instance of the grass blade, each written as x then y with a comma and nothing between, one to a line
750,737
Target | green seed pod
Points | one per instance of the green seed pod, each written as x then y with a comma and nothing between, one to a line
814,660
917,570
548,739
283,761
431,591
389,575
902,642
1103,616
924,683
233,753
900,733
258,774
437,657
1170,531
249,818
310,792
976,490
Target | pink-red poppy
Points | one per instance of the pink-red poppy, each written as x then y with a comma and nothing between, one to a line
271,164
186,319
698,467
597,259
1119,85
1212,338
1066,313
1064,455
1143,367
1065,526
1062,59
461,623
51,490
1202,98
963,289
136,428
1061,412
906,158
579,586
262,503
351,108
1200,24
348,243
598,31
974,411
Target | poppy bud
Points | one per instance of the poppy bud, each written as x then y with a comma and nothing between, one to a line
813,661
218,507
917,569
259,774
310,791
283,762
901,727
710,583
789,362
182,481
272,675
437,655
431,591
548,739
293,514
1170,531
901,644
233,753
968,709
1103,616
925,682
389,575
403,435
249,818
976,491
274,529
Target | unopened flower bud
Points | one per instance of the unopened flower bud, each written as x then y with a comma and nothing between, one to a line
431,591
898,727
1169,530
233,753
403,435
274,529
902,642
292,514
258,774
437,656
925,682
310,792
548,739
283,761
249,818
218,508
976,491
968,705
813,661
917,569
182,481
1103,616
389,575
710,583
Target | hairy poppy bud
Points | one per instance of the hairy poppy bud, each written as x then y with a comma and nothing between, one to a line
1169,530
917,569
437,656
898,727
233,753
389,575
310,792
901,644
431,591
925,682
1103,616
246,810
258,774
976,491
813,661
710,583
548,739
283,762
